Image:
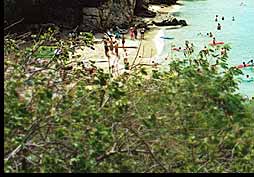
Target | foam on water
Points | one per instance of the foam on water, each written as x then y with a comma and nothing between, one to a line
159,42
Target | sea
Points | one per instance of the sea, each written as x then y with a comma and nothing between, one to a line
200,16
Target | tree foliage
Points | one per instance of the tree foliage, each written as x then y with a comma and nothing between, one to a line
61,119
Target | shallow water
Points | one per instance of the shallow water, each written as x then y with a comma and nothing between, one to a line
200,15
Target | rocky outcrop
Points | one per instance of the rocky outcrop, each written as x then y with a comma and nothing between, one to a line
169,2
110,13
120,13
89,15
169,21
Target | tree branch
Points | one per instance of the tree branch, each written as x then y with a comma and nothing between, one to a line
149,150
8,27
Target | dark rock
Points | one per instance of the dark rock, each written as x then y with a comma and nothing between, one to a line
89,15
169,22
174,22
168,2
183,22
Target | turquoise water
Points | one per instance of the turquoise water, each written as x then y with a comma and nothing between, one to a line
200,15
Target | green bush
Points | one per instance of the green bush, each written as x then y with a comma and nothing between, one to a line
188,119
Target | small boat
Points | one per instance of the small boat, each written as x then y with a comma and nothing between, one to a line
166,37
216,43
243,66
251,79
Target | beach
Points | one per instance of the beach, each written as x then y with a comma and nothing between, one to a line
146,50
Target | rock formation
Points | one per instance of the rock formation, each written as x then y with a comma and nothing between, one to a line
108,14
90,15
169,21
169,2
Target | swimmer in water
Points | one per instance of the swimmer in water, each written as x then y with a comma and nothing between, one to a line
250,62
233,18
214,41
199,34
244,64
219,26
216,18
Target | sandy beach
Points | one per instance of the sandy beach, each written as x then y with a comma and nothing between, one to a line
145,52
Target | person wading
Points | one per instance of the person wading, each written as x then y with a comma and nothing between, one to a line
216,18
219,26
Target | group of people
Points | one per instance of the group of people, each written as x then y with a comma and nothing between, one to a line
222,18
134,32
111,47
249,63
188,50
111,42
216,20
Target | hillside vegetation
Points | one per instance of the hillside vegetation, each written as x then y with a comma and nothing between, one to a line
59,118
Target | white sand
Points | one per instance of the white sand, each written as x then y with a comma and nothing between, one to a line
150,48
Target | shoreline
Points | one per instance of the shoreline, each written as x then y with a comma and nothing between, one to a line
150,48
162,10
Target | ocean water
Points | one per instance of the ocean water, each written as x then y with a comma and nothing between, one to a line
200,15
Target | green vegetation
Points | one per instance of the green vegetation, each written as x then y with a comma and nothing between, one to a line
188,119
45,52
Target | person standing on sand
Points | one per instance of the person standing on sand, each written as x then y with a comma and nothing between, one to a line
142,32
116,47
106,49
123,40
111,46
214,41
132,33
126,64
135,30
125,54
125,60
